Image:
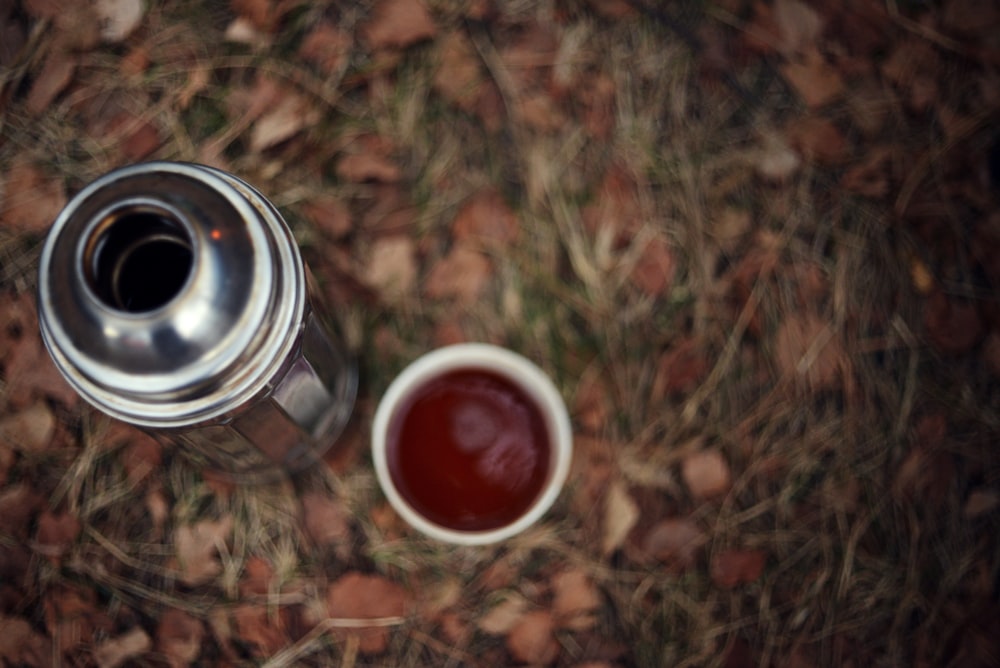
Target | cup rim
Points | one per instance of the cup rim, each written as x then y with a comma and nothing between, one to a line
512,366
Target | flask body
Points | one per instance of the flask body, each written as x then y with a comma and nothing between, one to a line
173,297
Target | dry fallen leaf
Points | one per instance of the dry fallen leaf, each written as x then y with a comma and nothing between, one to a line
654,271
925,476
329,214
56,74
980,502
776,160
680,369
809,351
706,474
817,139
674,541
179,637
620,516
459,76
398,23
391,269
953,325
260,13
118,18
32,200
816,81
18,503
463,274
290,115
56,533
574,600
197,546
327,47
532,639
325,518
29,430
734,567
502,617
485,218
116,651
368,166
799,26
257,627
355,596
21,645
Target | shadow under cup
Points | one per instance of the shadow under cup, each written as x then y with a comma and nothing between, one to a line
471,444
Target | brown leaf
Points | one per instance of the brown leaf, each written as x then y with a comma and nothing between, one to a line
327,47
360,597
392,268
591,403
364,167
925,476
21,645
56,74
616,207
118,18
29,430
18,504
734,567
56,533
502,617
329,214
179,637
799,26
598,99
575,598
197,547
870,177
777,161
259,12
264,632
680,369
980,502
463,275
290,115
459,76
142,457
398,23
539,111
532,639
613,9
675,541
706,474
654,272
816,81
116,651
31,199
818,140
620,516
325,518
954,325
809,351
485,218
258,577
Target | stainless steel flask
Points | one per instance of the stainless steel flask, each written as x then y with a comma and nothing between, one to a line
173,297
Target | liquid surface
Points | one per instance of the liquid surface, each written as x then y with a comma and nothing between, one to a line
469,451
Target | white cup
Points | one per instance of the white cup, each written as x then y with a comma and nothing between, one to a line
519,371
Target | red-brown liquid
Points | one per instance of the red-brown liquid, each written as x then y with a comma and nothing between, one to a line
469,450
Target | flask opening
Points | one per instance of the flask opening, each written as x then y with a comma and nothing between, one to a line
138,259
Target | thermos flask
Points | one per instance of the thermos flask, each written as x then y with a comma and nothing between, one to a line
173,297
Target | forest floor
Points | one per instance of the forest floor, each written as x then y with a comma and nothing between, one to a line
755,244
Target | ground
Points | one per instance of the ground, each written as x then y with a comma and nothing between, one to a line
753,244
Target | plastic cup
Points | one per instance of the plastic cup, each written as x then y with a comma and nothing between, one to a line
494,361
